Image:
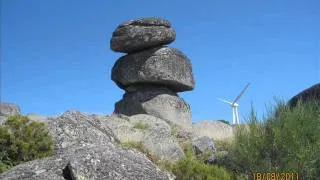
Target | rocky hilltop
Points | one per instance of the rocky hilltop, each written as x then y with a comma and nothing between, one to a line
151,112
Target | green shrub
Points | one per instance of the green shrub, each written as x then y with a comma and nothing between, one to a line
286,140
22,140
193,167
138,145
140,125
174,130
223,145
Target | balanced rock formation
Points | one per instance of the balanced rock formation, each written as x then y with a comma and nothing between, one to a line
151,74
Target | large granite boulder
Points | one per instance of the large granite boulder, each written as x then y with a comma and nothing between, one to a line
160,102
89,162
311,93
76,129
85,149
154,133
164,66
144,33
9,109
213,129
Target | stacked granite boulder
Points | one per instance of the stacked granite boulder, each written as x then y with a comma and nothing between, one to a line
151,73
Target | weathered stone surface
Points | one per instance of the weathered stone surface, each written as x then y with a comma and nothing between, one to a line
9,109
122,128
160,66
213,129
203,144
45,168
89,162
311,93
140,34
156,101
74,128
111,163
155,134
157,137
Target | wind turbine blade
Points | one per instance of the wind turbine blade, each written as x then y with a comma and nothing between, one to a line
225,101
239,96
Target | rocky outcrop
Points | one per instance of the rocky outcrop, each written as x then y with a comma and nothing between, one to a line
86,149
89,162
139,34
151,74
152,132
76,129
160,102
9,109
213,129
311,93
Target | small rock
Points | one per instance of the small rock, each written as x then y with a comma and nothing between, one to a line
203,144
211,159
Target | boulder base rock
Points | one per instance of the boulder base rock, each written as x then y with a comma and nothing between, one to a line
159,102
160,66
135,35
312,93
9,109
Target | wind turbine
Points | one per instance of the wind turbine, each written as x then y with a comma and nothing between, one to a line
234,105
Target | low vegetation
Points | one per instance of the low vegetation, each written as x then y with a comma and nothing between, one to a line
22,140
193,167
141,126
138,145
287,139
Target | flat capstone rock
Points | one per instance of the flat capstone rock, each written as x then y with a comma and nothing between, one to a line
140,34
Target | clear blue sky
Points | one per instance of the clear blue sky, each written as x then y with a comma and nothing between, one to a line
55,54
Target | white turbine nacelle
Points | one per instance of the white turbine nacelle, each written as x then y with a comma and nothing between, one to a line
234,105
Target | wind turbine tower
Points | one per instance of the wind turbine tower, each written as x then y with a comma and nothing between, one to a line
234,105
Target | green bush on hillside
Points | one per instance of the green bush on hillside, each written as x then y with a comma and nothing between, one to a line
22,140
193,167
286,140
